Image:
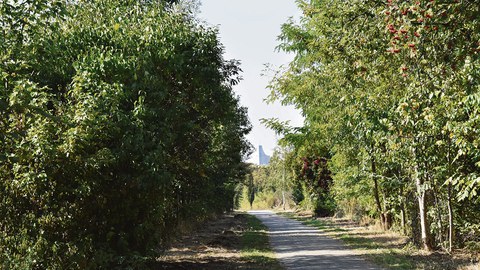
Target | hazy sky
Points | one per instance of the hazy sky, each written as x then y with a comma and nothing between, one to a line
248,30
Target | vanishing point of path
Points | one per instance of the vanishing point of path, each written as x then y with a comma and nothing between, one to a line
301,247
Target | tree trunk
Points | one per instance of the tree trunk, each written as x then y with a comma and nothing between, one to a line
424,226
283,184
387,216
439,215
450,218
449,202
403,209
376,192
423,221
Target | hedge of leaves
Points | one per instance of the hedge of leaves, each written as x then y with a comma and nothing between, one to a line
117,125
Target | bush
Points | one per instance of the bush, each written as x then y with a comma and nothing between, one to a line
103,105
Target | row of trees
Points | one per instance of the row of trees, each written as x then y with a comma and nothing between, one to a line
391,96
118,124
269,186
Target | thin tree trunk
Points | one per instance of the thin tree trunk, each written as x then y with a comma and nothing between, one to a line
440,223
387,217
425,235
438,209
376,189
403,214
450,218
423,218
449,202
283,185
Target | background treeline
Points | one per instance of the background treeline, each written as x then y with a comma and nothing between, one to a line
391,97
288,183
269,186
118,126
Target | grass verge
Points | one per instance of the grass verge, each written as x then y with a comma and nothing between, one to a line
387,249
256,247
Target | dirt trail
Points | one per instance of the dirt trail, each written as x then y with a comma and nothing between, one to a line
301,247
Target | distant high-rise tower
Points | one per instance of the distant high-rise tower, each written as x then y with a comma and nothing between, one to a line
263,158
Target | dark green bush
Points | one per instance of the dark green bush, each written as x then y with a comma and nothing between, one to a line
117,123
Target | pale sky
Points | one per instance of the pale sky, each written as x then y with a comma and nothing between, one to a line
248,30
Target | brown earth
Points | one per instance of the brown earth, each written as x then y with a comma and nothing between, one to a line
215,244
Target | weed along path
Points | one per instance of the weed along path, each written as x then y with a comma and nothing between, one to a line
301,247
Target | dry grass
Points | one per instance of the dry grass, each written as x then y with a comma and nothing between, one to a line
218,244
471,267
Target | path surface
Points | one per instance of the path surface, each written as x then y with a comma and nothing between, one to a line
301,247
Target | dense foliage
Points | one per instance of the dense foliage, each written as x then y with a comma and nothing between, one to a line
390,93
117,125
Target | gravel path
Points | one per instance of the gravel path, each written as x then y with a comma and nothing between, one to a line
301,247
